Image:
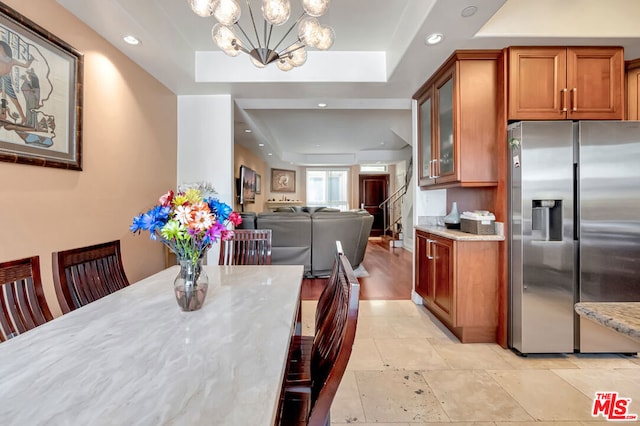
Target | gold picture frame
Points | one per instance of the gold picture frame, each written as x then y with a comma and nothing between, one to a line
283,180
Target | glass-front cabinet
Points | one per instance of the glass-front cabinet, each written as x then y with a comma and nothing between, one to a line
457,122
425,137
445,160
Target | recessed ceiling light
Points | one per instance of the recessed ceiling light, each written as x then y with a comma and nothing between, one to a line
381,143
248,131
322,105
133,40
260,144
468,11
434,38
269,153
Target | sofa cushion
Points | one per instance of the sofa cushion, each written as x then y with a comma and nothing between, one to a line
329,227
290,237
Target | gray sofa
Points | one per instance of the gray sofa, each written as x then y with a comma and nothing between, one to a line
309,238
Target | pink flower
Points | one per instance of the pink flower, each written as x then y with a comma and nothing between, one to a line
166,199
235,218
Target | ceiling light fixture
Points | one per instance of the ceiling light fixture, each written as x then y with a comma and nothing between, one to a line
260,144
434,38
248,131
468,11
133,40
322,105
310,33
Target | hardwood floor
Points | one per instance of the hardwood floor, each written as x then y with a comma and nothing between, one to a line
390,274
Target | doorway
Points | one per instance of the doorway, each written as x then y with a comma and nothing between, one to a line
374,189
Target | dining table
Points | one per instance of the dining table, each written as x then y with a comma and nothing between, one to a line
135,358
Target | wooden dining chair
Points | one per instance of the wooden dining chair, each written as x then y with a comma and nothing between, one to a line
298,371
84,275
21,298
332,346
246,247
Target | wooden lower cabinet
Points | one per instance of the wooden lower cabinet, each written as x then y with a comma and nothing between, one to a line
458,283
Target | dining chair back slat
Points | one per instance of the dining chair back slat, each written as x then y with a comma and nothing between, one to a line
86,274
246,247
22,298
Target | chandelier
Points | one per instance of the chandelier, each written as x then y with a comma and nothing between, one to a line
232,39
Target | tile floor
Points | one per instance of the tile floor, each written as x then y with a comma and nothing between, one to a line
407,369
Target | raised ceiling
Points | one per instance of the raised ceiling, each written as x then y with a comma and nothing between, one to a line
366,79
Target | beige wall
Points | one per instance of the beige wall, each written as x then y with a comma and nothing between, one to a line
129,159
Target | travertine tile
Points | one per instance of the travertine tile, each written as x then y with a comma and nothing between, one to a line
397,396
473,395
534,361
365,356
625,381
539,423
347,406
308,317
454,424
477,356
545,395
409,354
603,361
375,424
375,326
389,308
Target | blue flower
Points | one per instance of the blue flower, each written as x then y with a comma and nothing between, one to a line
220,209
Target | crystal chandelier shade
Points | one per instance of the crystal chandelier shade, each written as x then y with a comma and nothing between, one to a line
232,39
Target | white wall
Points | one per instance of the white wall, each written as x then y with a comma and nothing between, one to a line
205,147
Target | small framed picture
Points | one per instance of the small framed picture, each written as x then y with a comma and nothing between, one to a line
258,184
283,180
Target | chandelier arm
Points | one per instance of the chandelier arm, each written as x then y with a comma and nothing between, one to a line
253,22
289,31
286,50
246,37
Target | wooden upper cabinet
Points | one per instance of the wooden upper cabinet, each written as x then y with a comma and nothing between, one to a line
560,83
457,122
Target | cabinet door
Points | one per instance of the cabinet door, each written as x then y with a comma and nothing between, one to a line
423,268
425,138
444,129
595,80
443,294
537,83
633,90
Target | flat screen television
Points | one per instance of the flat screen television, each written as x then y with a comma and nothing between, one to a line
247,186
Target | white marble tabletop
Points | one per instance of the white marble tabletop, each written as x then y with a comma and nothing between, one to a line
134,358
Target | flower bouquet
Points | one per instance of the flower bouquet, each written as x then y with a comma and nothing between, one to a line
188,223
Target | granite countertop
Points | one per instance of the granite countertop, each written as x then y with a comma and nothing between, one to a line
457,235
623,317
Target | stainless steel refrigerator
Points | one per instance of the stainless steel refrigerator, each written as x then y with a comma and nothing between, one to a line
574,231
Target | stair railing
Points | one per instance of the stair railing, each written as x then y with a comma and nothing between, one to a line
392,212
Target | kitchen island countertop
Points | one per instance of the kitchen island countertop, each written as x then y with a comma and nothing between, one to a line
623,317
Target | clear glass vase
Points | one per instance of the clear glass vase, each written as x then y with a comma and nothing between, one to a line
191,285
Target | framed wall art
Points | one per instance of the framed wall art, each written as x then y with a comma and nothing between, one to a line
40,95
258,184
283,180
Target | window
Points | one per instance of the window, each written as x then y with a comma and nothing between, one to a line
373,168
328,188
